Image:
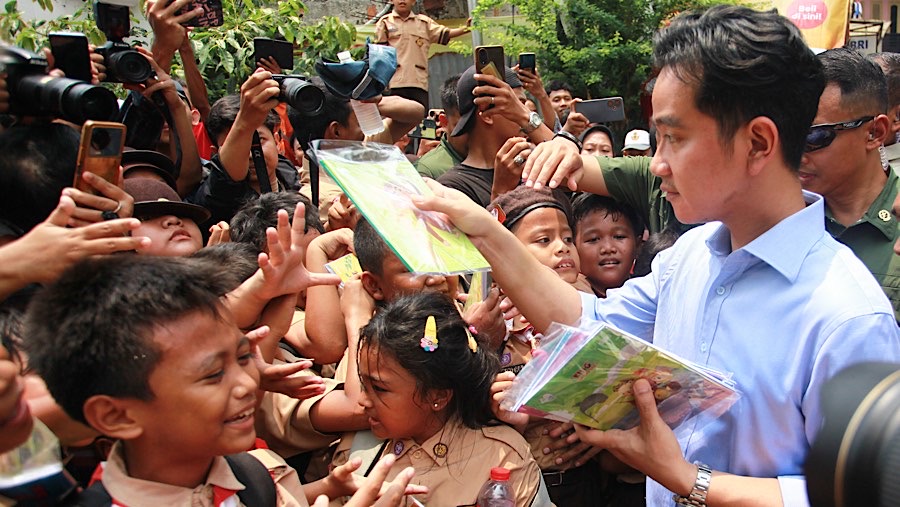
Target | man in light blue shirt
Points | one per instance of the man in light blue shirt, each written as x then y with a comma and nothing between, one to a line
761,291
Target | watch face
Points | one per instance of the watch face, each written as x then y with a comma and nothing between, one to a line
535,119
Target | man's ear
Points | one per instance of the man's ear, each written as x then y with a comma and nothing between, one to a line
372,284
487,119
112,416
195,117
762,137
880,130
333,130
442,120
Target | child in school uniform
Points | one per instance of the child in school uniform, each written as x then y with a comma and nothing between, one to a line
608,238
542,221
142,350
426,390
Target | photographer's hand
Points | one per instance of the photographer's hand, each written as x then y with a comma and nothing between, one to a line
259,95
168,31
91,207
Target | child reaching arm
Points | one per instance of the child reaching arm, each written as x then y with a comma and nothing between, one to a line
425,389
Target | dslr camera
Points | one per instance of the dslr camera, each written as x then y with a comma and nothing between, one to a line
124,64
32,92
300,93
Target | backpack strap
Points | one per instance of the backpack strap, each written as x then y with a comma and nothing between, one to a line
252,473
94,496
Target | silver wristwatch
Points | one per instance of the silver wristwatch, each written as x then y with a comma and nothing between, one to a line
534,122
697,497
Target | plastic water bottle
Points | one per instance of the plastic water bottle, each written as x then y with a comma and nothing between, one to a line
366,112
496,492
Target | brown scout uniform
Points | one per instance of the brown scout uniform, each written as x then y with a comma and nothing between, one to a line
411,37
131,492
457,461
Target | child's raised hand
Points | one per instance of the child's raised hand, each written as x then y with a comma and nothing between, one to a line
367,490
356,302
282,268
568,447
284,378
502,382
333,244
219,234
486,317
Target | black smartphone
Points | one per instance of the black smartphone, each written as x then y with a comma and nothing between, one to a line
71,54
281,50
489,60
527,61
601,110
212,13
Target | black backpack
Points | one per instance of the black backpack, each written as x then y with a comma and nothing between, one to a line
248,470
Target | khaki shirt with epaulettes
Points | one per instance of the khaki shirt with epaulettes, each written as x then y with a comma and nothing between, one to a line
127,490
411,36
456,462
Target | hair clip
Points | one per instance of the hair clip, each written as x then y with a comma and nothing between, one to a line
470,332
429,342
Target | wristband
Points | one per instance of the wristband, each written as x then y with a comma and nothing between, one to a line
569,136
697,496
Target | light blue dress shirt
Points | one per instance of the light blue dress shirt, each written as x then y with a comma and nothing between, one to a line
783,314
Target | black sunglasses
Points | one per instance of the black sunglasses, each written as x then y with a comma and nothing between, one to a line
823,135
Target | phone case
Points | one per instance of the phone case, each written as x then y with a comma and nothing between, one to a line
283,51
212,13
489,60
601,110
100,152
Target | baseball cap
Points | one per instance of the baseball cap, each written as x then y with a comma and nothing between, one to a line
153,198
467,107
637,140
153,161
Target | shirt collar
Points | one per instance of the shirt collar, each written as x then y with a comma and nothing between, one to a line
135,492
448,436
784,246
879,213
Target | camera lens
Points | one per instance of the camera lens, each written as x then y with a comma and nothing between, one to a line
129,66
302,95
73,100
857,452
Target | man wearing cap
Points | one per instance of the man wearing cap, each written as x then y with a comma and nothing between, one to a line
842,162
637,144
491,112
170,223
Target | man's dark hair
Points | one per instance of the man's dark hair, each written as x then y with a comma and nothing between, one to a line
657,242
745,64
370,249
890,65
588,203
309,128
223,113
557,85
91,332
861,81
38,162
250,222
449,99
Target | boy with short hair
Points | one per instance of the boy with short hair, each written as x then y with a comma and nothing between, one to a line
161,366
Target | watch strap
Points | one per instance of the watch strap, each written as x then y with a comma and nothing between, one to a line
570,136
697,496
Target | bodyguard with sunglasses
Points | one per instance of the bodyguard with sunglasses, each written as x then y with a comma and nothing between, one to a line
842,162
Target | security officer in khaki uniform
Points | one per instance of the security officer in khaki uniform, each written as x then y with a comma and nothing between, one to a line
412,35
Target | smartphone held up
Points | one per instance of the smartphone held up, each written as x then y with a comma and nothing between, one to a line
100,152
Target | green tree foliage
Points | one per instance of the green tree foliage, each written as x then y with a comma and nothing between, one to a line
224,53
601,47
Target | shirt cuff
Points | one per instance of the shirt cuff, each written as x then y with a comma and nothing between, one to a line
793,490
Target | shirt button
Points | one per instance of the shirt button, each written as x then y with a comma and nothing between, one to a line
417,454
703,347
720,290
